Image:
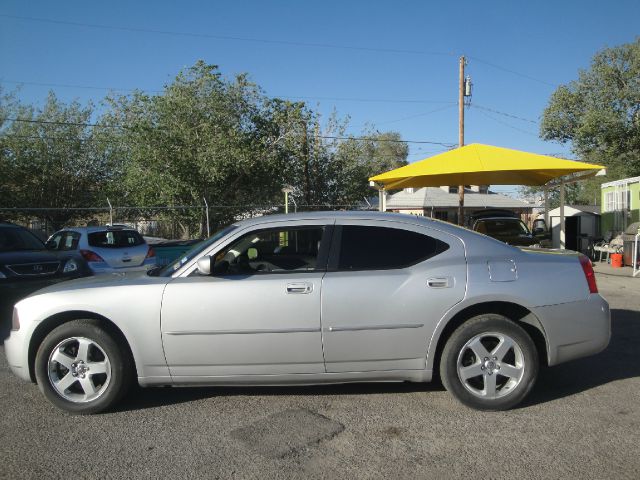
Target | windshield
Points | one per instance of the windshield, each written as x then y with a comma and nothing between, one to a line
14,238
503,226
168,270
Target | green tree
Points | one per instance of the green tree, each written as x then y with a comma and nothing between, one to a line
599,113
203,137
45,159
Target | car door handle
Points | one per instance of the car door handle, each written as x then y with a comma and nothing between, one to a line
440,282
302,287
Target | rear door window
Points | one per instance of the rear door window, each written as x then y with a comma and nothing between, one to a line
383,248
115,239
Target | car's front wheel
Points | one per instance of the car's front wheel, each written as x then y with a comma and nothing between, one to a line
489,363
80,368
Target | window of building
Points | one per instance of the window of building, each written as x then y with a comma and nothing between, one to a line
380,248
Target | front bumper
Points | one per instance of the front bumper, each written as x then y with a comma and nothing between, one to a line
16,348
575,329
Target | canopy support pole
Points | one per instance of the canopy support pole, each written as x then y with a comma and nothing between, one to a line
546,207
562,232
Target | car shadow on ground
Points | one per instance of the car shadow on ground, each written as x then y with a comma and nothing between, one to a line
617,362
143,398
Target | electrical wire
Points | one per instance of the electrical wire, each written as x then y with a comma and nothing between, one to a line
507,124
513,72
510,115
275,42
228,37
330,137
287,97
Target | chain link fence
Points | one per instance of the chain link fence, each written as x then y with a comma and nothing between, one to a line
171,222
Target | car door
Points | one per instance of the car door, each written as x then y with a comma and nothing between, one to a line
259,313
387,286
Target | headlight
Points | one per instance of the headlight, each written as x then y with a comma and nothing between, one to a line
70,266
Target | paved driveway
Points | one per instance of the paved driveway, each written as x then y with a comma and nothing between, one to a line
582,421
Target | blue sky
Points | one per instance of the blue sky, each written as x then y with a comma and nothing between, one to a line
404,62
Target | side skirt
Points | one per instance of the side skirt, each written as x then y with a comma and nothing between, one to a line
291,379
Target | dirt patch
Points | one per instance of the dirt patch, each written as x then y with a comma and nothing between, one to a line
287,432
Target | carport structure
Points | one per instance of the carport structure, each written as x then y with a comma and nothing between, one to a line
478,164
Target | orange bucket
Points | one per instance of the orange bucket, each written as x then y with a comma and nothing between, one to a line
616,260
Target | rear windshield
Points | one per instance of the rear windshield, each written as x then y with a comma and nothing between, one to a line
502,227
115,239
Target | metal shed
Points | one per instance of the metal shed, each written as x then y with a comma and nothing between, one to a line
582,226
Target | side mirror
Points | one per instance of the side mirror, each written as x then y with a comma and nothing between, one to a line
204,265
50,245
538,231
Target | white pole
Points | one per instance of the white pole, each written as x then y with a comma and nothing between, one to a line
206,206
636,269
546,207
384,200
286,202
562,232
110,212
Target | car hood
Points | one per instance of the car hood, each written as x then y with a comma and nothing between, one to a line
104,280
27,256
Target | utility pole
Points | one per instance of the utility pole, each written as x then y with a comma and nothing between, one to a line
461,92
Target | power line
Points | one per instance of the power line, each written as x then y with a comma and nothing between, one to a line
510,115
330,137
56,122
227,37
288,97
275,42
507,124
392,140
409,117
513,72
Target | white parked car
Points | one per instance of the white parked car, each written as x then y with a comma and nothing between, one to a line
317,298
106,249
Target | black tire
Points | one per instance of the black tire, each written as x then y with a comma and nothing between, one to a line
102,352
501,383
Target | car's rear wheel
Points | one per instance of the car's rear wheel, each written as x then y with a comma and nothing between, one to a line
489,363
80,368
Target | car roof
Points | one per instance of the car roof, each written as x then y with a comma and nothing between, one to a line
499,218
357,215
97,229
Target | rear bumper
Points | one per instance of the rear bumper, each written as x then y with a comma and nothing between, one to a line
575,329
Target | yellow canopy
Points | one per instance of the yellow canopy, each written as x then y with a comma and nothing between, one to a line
478,164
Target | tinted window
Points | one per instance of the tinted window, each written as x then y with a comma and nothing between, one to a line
378,248
16,238
272,251
502,227
115,239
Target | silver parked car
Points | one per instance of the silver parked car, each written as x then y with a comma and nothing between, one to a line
317,298
106,249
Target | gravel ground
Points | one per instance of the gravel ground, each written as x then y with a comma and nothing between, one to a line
582,421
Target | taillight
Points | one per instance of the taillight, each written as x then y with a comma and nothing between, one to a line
589,274
15,321
151,253
90,256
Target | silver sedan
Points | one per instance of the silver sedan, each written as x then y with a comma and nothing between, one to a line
317,298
